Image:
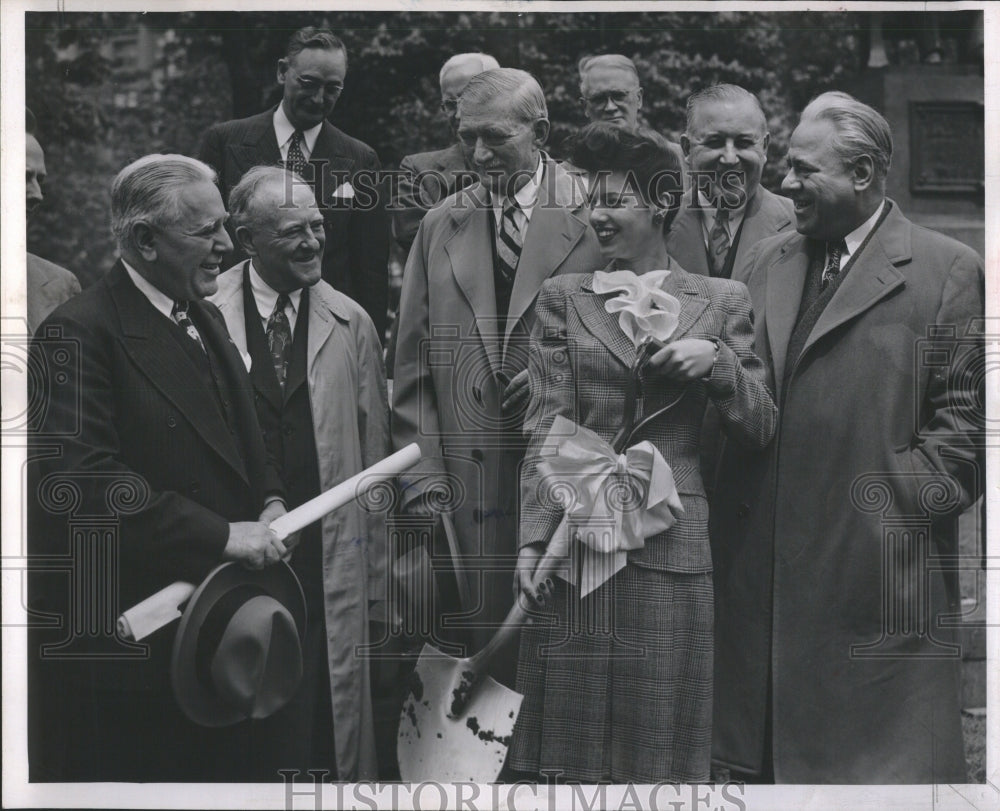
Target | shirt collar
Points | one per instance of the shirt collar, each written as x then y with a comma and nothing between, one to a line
284,130
266,296
527,195
854,239
708,215
160,300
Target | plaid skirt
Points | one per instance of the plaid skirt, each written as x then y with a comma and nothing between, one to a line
618,686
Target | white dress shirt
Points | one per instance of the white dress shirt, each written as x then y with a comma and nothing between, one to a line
854,239
160,300
284,130
525,197
266,298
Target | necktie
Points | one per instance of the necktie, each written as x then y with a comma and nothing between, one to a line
834,250
718,241
296,161
509,242
180,315
279,338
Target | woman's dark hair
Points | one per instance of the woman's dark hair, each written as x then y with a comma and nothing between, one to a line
647,158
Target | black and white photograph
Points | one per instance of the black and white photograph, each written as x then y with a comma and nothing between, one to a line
543,405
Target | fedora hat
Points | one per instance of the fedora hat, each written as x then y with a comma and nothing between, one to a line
238,649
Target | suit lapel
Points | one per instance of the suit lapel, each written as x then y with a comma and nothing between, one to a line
471,256
871,278
553,231
765,217
259,146
148,341
323,312
785,282
686,244
602,324
331,168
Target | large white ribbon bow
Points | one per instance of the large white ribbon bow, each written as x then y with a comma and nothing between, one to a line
612,502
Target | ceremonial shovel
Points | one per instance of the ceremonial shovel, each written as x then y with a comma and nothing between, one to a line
457,722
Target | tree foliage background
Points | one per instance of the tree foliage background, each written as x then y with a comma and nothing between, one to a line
102,100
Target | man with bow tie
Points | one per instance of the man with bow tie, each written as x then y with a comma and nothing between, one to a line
835,662
341,169
466,312
320,392
144,416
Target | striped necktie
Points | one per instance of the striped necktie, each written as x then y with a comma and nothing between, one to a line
296,161
180,315
509,241
718,241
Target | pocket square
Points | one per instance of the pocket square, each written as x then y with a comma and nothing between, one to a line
345,191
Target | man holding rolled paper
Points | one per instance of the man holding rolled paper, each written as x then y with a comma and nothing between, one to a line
148,467
320,392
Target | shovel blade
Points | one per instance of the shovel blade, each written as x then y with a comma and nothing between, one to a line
472,748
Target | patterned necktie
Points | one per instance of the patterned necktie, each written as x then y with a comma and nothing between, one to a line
296,161
834,250
718,241
180,315
279,338
509,241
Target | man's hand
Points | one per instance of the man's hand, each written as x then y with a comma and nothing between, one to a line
273,509
516,393
524,577
253,544
419,507
684,360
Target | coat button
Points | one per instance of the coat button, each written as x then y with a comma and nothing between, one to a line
743,510
287,429
171,422
194,488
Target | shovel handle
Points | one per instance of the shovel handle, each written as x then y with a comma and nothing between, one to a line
518,615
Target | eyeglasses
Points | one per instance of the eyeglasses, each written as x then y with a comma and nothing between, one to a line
720,142
449,106
619,97
311,86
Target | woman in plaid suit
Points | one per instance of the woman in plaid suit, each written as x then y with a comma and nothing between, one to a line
618,685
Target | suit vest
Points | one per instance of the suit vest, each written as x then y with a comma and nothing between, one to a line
287,421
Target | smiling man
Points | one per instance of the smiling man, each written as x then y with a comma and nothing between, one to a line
728,212
833,662
466,311
320,392
341,169
145,400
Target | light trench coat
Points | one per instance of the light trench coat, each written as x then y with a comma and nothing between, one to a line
347,394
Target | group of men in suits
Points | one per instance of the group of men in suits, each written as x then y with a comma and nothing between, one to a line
227,415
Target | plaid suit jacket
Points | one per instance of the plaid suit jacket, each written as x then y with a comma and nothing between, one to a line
579,365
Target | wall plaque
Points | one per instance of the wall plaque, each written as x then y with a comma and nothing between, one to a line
946,147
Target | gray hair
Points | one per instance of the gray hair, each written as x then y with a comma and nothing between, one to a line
485,62
615,61
243,197
149,190
518,88
723,93
861,130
